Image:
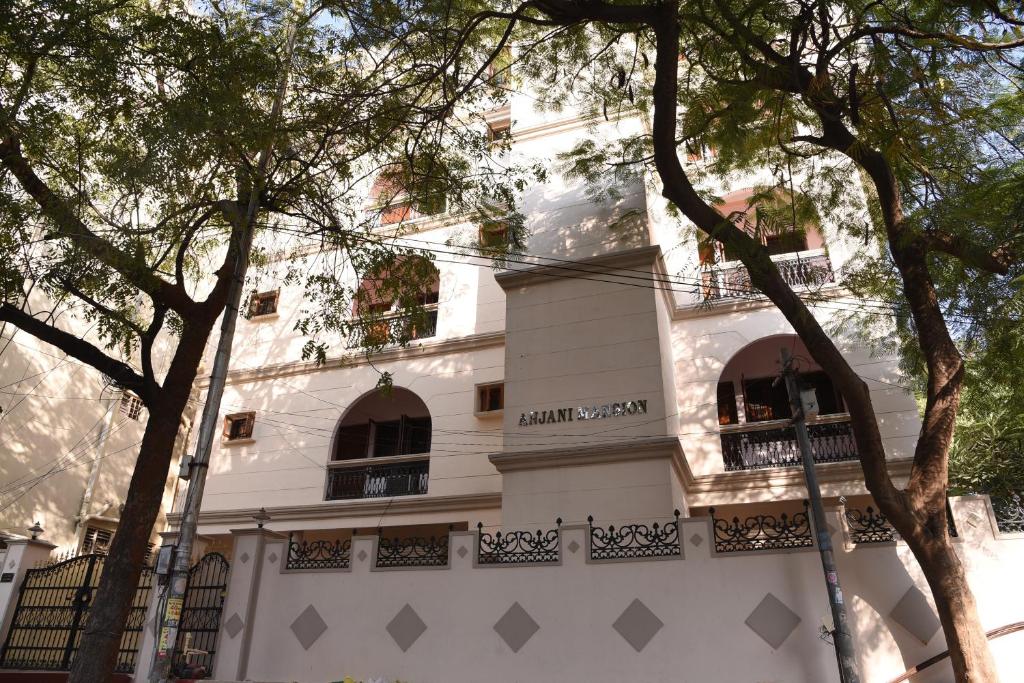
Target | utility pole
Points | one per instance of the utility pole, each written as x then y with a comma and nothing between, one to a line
841,630
160,670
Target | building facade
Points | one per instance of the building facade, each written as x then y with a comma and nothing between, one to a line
619,375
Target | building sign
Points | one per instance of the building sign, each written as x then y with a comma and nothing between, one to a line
541,417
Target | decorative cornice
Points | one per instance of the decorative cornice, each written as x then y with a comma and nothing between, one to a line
667,447
420,350
350,508
602,264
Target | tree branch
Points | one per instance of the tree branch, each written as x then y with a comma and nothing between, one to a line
122,374
69,225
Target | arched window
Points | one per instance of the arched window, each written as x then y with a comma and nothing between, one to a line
396,303
754,409
393,196
770,220
384,424
748,389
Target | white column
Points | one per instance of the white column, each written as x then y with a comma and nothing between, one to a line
22,555
247,559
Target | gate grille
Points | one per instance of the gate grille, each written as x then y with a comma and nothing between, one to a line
200,614
53,610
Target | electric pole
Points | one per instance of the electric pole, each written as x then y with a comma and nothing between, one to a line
177,586
841,630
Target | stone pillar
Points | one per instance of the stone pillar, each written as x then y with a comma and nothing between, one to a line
235,639
22,555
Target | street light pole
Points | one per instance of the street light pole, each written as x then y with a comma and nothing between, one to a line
841,637
160,670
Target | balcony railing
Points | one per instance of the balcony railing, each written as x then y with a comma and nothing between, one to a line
346,481
804,269
393,329
761,445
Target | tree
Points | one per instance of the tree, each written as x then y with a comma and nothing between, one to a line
131,181
912,100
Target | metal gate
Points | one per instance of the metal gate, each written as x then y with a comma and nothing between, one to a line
53,610
200,614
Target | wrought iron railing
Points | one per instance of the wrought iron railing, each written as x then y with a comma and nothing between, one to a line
394,329
633,541
762,532
518,547
761,445
377,481
807,270
869,526
321,554
414,551
1009,514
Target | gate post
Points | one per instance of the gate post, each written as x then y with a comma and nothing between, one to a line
239,613
22,555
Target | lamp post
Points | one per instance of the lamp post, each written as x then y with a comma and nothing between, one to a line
36,530
261,516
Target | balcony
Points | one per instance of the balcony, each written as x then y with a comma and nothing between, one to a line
803,269
763,445
400,476
394,329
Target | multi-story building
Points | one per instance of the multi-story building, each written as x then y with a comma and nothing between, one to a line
618,368
619,372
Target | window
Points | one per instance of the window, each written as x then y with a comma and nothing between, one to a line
131,405
770,221
499,131
494,235
396,303
727,413
263,303
398,196
96,541
384,426
490,398
239,426
766,399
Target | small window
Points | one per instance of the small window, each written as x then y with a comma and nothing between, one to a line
96,541
131,406
238,426
494,234
490,398
499,131
263,303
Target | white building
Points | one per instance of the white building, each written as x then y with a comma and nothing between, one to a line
607,374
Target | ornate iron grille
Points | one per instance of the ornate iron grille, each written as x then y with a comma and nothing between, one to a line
633,541
412,552
378,481
200,615
319,554
52,610
868,526
1009,514
755,449
762,532
812,270
518,547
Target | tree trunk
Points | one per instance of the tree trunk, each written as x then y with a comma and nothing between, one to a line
97,654
933,549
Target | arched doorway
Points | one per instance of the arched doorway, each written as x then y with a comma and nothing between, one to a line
754,410
381,447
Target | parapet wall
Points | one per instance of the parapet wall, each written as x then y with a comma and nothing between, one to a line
698,617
